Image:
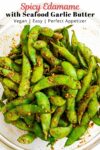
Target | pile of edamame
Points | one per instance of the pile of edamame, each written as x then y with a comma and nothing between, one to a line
51,85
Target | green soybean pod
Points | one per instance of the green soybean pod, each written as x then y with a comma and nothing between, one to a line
85,85
38,130
15,50
92,64
21,125
24,39
18,61
47,32
33,35
85,119
1,79
65,39
63,123
81,73
49,57
10,95
60,132
69,69
57,100
43,101
23,110
53,108
29,109
96,119
93,106
97,59
26,138
3,96
25,80
57,36
55,80
98,78
37,70
29,120
56,117
14,76
66,54
51,92
91,110
56,70
24,33
10,84
76,133
85,51
1,105
39,44
81,60
7,63
46,67
16,102
74,39
71,112
86,99
11,116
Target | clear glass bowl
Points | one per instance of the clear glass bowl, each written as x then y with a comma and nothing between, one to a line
88,33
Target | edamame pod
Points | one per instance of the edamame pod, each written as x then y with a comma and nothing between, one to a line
63,123
97,59
85,51
96,119
14,76
69,69
55,80
37,70
7,63
38,130
71,112
76,133
33,35
74,39
51,92
60,132
47,31
43,101
57,100
39,44
81,60
10,84
91,111
26,138
1,105
57,36
49,57
65,39
66,54
18,61
25,80
10,95
86,99
56,117
24,39
23,110
85,85
29,120
81,73
21,125
16,102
